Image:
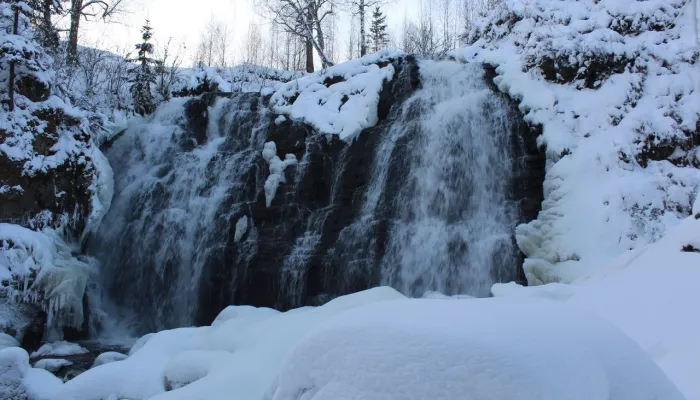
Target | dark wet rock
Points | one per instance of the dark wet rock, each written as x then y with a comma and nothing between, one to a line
34,89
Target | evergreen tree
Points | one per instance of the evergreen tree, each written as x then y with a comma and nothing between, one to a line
144,75
377,30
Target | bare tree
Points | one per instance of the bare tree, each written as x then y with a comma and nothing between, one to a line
350,52
303,18
361,8
167,72
101,9
253,45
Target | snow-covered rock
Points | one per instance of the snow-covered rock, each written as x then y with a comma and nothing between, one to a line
613,84
237,357
650,294
60,349
19,381
108,357
342,99
277,167
477,349
46,274
52,364
7,341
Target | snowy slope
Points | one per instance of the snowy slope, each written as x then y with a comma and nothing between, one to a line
651,294
610,186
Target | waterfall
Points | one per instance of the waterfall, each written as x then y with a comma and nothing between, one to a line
454,221
427,200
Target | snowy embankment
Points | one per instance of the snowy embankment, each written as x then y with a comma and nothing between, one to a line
373,344
614,86
616,234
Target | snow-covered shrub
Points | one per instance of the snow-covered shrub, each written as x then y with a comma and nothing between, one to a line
613,85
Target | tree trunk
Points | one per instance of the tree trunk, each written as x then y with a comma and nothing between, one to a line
309,56
11,89
363,39
75,11
50,41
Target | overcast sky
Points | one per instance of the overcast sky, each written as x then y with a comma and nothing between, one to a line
184,20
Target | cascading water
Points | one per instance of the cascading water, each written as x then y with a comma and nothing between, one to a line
424,201
454,220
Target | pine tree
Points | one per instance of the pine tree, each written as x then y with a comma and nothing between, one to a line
377,30
143,75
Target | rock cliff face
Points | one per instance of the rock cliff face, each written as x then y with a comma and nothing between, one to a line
190,231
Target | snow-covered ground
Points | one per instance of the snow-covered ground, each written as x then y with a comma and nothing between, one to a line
376,344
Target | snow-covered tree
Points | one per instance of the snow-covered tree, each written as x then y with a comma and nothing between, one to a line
23,63
377,30
303,18
143,75
100,9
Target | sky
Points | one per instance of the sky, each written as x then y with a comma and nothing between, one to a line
180,20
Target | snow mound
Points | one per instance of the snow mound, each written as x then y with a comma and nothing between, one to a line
276,177
108,357
613,85
236,358
19,381
52,364
61,349
476,349
7,341
650,294
45,273
339,100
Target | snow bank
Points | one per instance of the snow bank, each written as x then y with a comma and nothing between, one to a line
237,357
108,357
7,341
277,167
52,364
340,100
18,380
476,349
651,294
609,186
43,271
60,349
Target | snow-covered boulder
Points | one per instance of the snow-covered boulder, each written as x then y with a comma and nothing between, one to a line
19,381
481,349
52,364
60,348
108,357
7,341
